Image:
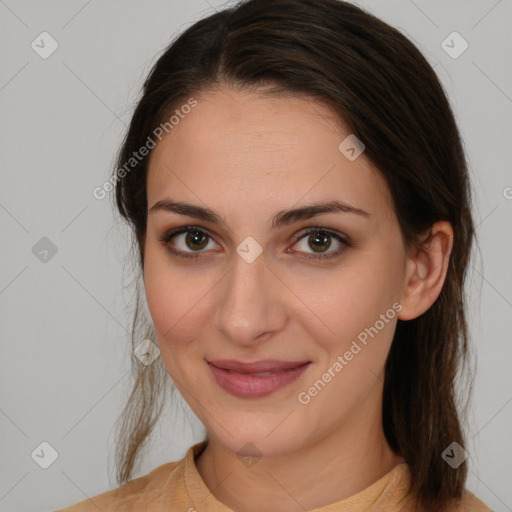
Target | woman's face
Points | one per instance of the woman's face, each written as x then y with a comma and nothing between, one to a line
253,292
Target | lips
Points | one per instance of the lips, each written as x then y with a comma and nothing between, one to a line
265,366
257,379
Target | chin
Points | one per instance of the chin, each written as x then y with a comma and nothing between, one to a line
266,443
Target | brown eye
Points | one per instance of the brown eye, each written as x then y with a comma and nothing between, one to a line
186,241
196,240
191,245
319,240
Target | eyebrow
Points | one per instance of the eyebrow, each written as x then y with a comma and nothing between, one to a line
281,218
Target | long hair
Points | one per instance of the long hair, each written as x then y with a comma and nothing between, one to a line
387,94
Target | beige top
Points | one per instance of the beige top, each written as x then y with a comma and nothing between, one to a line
178,487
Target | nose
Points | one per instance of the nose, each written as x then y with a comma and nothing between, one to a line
251,302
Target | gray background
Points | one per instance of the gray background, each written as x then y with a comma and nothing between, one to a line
64,323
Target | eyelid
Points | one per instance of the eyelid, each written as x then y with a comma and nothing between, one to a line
169,235
329,231
340,237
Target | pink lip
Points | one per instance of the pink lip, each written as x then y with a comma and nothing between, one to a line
267,365
243,383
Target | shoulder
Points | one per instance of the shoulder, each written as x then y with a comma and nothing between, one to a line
140,491
469,503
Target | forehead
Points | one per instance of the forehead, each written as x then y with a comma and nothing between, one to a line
255,149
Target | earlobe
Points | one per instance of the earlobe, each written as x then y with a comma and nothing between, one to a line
426,271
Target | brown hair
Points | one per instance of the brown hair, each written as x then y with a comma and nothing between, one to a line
387,94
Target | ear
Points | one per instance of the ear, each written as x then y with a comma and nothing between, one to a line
426,270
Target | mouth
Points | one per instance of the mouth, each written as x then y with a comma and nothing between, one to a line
258,379
267,366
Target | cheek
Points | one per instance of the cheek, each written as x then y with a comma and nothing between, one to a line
177,299
356,311
358,316
349,300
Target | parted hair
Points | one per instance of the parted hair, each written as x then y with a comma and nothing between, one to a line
384,90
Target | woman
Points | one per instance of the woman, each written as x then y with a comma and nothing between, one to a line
299,197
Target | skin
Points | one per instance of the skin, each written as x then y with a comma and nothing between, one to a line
247,156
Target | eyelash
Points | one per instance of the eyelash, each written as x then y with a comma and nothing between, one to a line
167,237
